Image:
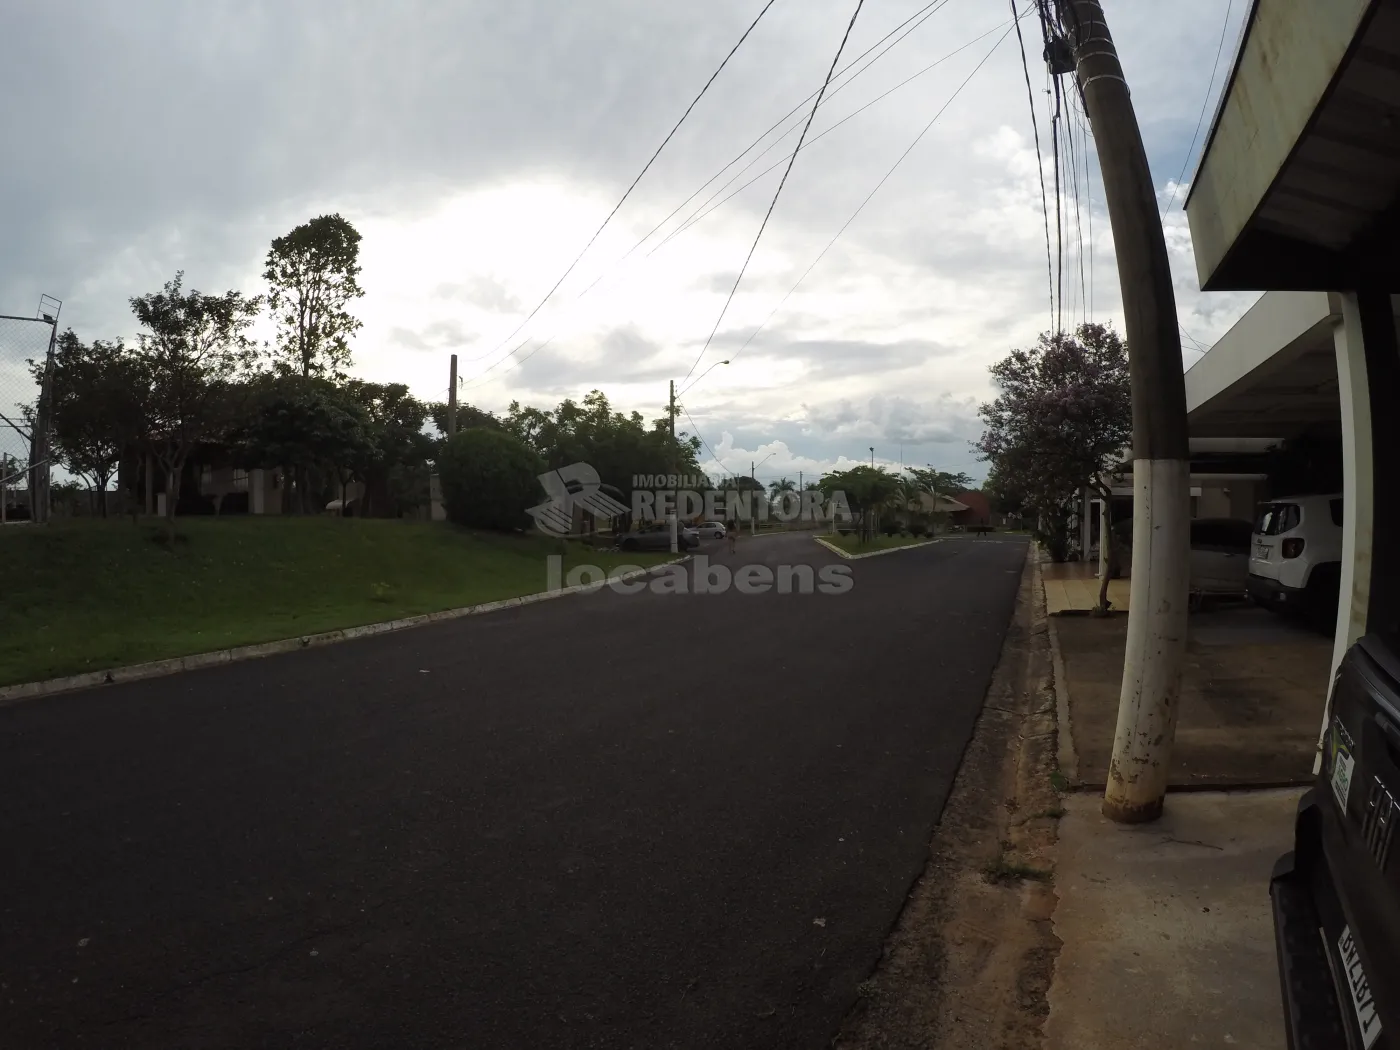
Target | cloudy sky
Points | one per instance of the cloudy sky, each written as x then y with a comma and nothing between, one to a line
478,144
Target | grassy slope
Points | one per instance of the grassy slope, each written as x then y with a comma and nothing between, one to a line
850,542
82,596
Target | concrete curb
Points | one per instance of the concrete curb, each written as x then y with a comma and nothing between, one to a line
874,554
1066,756
11,694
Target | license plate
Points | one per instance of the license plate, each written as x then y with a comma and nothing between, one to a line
1361,1000
1342,765
1261,551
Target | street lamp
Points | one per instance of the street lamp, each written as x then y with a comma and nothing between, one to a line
872,455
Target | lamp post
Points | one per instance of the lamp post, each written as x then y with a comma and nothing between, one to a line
872,457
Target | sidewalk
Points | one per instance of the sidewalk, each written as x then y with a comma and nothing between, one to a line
1072,587
1165,929
1166,932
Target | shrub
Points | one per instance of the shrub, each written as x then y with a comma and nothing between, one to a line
489,479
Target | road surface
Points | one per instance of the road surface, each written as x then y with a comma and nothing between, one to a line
601,821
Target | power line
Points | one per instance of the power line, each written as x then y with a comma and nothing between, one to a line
773,203
1059,233
645,168
900,160
927,11
699,214
1039,161
706,444
1219,49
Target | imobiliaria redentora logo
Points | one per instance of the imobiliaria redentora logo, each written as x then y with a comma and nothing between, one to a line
578,504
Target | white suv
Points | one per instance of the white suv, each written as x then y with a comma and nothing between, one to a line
1295,557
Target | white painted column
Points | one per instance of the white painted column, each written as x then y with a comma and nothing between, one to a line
1156,642
1358,493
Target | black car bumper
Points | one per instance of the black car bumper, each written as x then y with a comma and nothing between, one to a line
1269,592
1308,917
1311,1010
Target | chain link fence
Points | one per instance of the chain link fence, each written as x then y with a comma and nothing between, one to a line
24,343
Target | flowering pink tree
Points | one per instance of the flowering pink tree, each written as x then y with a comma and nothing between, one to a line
1061,421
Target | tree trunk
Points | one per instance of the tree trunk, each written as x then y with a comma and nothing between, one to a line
172,497
1105,552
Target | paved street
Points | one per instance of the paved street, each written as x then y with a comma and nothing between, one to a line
601,821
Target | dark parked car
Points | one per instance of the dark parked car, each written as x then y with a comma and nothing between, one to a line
657,537
1336,896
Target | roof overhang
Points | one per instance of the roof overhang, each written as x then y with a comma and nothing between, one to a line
1298,184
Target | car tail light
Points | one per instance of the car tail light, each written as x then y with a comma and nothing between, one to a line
1292,548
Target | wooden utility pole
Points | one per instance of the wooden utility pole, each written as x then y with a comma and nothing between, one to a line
1156,644
452,398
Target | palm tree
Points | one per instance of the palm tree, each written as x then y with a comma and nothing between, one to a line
777,488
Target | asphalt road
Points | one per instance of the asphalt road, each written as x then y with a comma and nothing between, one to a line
602,821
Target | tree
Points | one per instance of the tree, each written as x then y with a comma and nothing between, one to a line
619,447
313,274
193,351
939,482
489,479
1061,422
467,416
866,490
96,395
397,449
307,427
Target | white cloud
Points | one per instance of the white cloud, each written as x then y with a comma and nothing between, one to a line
478,147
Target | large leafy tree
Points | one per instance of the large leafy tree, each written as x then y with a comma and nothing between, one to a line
1061,421
866,490
489,479
619,447
193,350
313,276
468,416
393,465
307,427
97,395
939,482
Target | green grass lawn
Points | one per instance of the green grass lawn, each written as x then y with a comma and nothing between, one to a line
850,542
89,595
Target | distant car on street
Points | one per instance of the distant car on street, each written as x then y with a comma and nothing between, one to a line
656,536
712,530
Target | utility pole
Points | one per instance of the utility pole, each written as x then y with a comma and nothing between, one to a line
674,515
452,398
1156,643
753,497
872,457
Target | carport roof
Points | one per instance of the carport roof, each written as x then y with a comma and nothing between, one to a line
1274,374
1298,183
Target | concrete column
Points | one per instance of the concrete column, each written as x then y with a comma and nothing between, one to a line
150,484
256,494
1368,381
